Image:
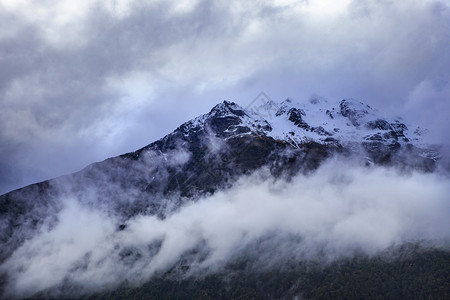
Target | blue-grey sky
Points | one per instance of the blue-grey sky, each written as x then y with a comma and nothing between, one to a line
84,80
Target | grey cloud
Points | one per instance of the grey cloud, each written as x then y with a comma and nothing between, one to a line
381,53
65,104
60,96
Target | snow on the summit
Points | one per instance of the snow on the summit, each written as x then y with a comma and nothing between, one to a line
324,122
346,122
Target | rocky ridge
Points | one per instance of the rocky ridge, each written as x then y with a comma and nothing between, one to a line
210,153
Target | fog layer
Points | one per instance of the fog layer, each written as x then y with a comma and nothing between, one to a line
335,212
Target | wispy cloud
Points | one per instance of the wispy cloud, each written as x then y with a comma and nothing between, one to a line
339,210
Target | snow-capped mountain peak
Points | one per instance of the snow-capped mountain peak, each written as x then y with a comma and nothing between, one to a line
211,152
348,123
344,122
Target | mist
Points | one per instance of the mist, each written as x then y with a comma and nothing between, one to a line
337,211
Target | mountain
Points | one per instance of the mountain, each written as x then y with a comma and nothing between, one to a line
211,153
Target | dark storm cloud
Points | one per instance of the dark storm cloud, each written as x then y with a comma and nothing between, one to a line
58,96
394,56
380,52
79,85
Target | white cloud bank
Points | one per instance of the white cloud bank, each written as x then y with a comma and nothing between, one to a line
339,210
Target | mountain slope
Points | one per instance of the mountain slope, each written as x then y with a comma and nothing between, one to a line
209,154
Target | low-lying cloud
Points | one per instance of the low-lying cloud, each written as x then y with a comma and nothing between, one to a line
337,211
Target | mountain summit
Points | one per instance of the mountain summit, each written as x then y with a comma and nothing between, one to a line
210,153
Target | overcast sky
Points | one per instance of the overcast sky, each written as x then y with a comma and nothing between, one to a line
84,80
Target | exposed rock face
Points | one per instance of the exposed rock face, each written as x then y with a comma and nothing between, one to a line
210,153
354,111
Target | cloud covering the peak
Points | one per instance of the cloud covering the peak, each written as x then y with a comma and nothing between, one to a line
80,82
